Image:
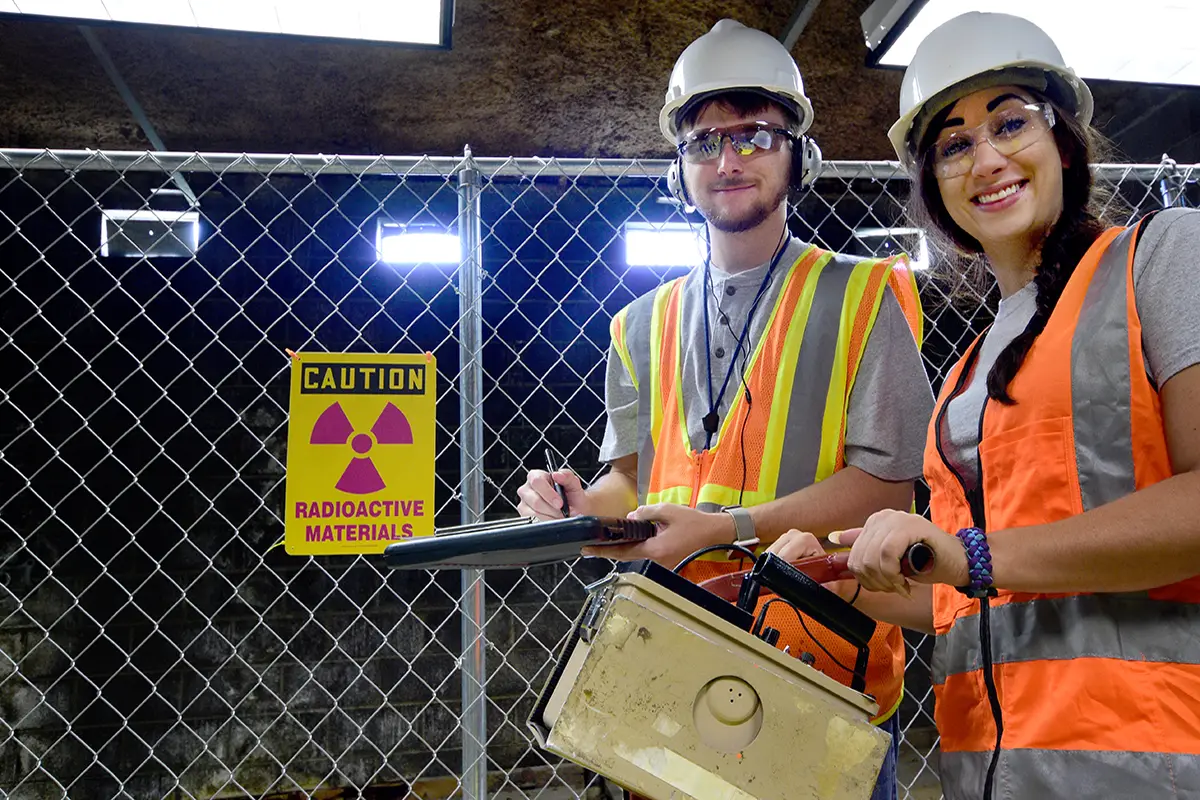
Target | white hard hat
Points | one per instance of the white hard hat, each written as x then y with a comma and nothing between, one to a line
976,51
731,57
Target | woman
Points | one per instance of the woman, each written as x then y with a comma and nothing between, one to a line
1063,458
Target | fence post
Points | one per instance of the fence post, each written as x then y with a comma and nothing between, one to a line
471,607
1165,187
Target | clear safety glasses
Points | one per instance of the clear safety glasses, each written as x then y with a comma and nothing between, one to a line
1008,130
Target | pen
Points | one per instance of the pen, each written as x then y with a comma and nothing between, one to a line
562,493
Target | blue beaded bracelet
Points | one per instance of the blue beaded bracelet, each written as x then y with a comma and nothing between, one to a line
979,563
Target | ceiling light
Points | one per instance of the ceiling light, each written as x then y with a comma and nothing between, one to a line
146,232
663,244
888,242
409,22
398,244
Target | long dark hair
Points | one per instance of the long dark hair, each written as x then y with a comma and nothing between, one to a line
1081,222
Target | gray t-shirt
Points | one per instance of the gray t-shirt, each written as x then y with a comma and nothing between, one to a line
1167,294
890,403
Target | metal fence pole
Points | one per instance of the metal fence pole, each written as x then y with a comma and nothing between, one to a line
474,667
1168,192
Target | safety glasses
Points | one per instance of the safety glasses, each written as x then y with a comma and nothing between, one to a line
749,140
1008,130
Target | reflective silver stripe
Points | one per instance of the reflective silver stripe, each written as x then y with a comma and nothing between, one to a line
810,386
637,341
1131,627
810,389
1036,774
1100,381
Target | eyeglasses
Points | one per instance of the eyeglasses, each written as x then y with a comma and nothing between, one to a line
1008,131
746,140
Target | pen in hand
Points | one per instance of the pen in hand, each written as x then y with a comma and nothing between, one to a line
562,493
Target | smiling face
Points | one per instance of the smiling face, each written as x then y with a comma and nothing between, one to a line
999,200
736,193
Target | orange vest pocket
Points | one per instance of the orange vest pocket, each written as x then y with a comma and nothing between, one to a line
1030,461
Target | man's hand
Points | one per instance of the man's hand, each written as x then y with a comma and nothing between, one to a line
681,532
539,495
795,545
879,545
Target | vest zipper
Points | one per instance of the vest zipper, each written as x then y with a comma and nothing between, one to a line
697,473
975,501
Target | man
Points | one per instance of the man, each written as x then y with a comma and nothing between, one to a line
779,386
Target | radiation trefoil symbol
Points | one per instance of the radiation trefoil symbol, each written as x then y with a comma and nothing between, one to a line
360,475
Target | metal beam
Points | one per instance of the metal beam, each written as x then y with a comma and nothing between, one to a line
135,107
440,166
1147,114
798,22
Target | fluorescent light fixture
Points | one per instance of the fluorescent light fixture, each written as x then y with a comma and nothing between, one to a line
146,232
886,242
1100,39
409,22
399,244
663,244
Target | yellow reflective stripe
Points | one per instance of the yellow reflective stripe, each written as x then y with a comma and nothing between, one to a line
840,383
680,414
740,392
886,715
617,329
912,281
656,337
916,293
728,495
676,495
768,475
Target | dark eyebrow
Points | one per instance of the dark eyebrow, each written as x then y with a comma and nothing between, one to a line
991,106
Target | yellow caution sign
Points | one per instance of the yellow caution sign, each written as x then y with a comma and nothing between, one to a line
360,459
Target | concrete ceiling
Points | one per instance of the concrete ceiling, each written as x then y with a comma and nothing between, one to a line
524,78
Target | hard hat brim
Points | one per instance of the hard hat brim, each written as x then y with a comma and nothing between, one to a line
1063,87
668,118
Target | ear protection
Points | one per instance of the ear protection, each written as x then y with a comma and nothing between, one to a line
805,168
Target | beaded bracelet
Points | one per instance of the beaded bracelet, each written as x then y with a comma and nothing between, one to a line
979,563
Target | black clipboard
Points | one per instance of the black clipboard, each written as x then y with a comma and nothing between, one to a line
514,543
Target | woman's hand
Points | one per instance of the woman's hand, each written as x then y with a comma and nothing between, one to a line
880,544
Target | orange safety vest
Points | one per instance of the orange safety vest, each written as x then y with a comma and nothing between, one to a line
1098,695
800,373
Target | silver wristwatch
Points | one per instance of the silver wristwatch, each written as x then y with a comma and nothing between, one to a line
743,525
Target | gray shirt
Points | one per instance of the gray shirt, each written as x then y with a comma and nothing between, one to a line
890,403
1167,295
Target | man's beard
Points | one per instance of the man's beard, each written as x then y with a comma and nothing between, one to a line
751,218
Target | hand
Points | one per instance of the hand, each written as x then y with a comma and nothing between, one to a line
681,532
539,497
795,545
878,546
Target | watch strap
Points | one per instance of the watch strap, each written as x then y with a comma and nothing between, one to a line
743,524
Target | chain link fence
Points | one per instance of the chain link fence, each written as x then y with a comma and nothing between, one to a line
152,645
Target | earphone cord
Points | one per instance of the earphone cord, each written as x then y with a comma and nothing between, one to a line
711,419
